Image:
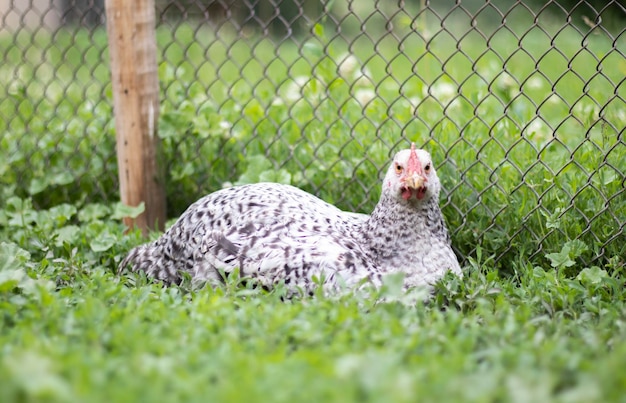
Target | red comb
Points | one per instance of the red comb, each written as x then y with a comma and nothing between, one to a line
414,163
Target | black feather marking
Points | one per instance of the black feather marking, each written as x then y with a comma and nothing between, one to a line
223,243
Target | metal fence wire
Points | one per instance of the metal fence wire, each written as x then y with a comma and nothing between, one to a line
516,100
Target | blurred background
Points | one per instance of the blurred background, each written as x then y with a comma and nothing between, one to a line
293,16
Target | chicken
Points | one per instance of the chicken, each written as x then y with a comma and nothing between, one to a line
275,233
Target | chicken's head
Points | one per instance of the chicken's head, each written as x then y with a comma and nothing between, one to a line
412,176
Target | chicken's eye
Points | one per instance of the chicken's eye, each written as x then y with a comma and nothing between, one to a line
398,168
427,168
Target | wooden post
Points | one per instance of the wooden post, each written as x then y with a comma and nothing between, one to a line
132,49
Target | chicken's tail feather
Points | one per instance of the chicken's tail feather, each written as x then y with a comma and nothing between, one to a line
138,258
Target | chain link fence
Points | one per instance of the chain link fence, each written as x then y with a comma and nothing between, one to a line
521,103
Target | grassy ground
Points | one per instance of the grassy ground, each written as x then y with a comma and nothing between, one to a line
534,198
73,331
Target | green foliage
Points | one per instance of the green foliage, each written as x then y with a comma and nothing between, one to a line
566,257
74,331
56,138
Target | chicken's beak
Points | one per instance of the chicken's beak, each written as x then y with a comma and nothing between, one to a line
413,180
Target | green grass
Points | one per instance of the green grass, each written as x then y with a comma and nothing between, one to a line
73,331
533,196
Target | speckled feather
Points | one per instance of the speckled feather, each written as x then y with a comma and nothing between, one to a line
278,233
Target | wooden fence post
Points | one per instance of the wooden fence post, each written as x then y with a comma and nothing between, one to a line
134,74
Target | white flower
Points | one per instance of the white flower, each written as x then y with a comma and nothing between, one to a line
362,79
443,92
453,105
364,96
507,83
538,131
554,99
535,83
415,101
587,110
536,126
348,66
505,80
294,89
